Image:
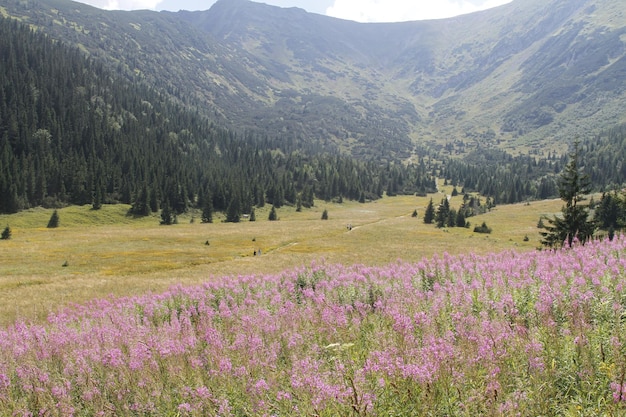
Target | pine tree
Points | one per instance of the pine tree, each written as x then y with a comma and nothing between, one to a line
252,215
54,220
429,214
325,215
573,222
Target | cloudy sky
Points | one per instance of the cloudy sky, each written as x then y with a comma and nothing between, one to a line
359,10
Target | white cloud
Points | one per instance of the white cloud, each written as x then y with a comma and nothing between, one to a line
403,10
123,4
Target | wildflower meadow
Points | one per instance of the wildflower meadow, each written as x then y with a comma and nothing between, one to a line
510,334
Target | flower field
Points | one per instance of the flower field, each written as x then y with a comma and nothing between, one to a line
527,334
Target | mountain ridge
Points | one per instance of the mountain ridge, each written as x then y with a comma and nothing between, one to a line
525,76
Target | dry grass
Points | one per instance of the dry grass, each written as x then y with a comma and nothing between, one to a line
109,253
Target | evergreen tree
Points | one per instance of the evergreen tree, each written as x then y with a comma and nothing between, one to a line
97,197
207,211
429,214
325,215
252,215
141,205
167,217
573,222
610,213
233,212
443,211
460,219
273,216
54,220
6,233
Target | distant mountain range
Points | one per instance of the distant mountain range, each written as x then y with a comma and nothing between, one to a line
529,76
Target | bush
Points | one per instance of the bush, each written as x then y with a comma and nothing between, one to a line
325,215
6,233
483,228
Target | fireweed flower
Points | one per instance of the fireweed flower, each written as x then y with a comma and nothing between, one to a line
467,334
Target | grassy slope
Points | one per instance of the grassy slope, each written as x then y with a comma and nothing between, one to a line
109,253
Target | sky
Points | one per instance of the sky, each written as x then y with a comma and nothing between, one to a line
358,10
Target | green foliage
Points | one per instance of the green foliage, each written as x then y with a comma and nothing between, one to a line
325,215
167,217
429,214
273,216
6,233
115,141
54,220
573,222
443,213
233,212
252,215
610,213
540,223
207,212
483,228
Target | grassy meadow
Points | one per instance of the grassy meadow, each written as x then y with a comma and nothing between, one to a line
106,252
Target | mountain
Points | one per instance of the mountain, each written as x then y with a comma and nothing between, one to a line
72,131
529,76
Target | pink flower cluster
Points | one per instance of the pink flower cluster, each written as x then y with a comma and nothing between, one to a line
506,334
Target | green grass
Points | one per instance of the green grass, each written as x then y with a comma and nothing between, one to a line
107,252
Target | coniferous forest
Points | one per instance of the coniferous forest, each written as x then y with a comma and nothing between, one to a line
73,131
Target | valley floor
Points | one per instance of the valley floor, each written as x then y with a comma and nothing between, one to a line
94,254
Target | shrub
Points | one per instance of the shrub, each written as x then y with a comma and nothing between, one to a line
325,215
483,228
6,233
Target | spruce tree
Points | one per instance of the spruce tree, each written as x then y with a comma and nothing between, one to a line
207,211
460,219
273,216
252,215
573,222
441,217
54,220
233,212
167,218
429,214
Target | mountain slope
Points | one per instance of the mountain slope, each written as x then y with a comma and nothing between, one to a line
528,74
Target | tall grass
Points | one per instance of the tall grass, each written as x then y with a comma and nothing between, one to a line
106,252
527,334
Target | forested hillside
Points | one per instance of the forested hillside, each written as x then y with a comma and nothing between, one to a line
74,133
